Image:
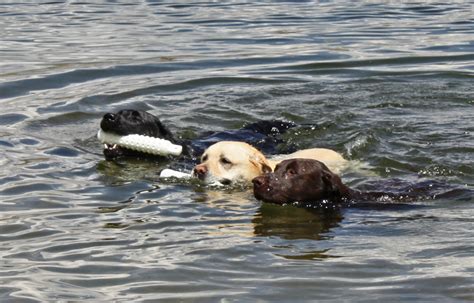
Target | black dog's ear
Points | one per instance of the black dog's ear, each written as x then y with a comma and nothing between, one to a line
164,131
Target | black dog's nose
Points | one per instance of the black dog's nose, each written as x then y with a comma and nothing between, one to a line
109,117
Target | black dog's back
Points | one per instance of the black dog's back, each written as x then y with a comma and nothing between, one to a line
264,135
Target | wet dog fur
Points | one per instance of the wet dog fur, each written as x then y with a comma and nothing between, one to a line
223,161
311,183
230,162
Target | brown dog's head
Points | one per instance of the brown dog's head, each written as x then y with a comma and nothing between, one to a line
229,162
299,180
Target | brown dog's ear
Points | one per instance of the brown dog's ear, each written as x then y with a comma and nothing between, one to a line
330,181
262,164
266,169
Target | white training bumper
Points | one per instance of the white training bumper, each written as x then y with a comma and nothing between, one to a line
168,173
145,144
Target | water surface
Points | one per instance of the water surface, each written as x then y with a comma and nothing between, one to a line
388,85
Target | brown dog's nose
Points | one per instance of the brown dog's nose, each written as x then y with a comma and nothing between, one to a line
258,181
200,171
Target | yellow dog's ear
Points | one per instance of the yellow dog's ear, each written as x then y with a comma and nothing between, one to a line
261,163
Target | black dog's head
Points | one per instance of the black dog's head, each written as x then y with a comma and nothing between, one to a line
299,180
129,122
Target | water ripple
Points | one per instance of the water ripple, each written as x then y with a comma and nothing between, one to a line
386,84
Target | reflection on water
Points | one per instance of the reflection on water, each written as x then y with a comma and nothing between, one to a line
294,223
115,172
389,85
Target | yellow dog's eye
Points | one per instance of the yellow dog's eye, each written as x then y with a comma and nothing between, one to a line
204,158
225,161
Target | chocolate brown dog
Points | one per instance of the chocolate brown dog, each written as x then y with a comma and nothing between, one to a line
300,180
311,183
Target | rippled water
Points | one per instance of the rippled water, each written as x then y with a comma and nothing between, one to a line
388,85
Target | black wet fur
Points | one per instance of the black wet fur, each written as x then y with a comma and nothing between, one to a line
128,122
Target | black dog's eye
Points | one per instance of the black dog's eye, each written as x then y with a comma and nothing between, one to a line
226,161
291,172
135,114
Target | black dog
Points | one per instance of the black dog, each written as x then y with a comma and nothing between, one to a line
128,122
263,134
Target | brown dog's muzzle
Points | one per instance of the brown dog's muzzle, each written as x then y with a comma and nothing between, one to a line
261,187
258,181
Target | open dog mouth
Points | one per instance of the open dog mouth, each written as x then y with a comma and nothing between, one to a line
213,181
110,146
113,148
112,151
225,181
